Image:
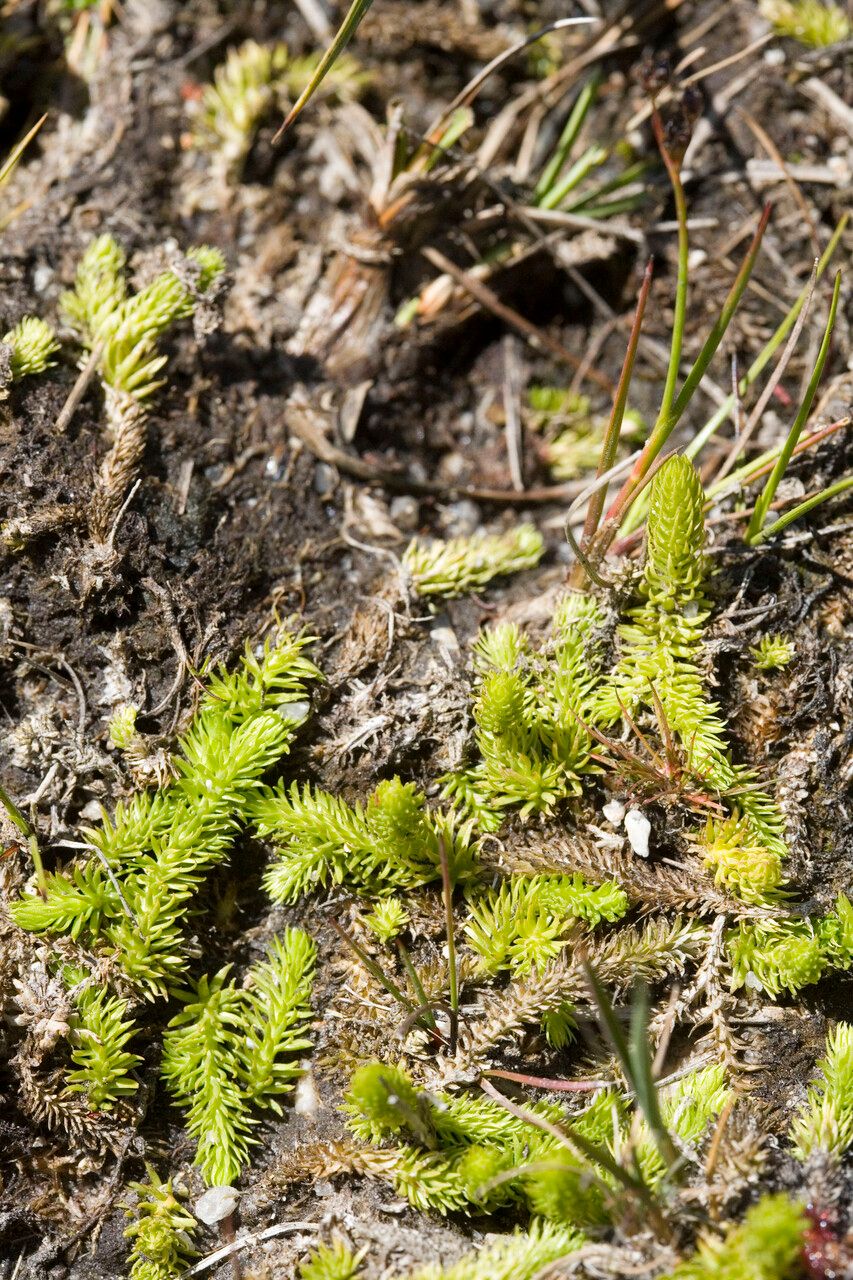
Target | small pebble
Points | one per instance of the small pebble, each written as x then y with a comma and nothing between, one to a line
42,278
296,712
306,1100
614,811
461,518
216,1204
638,829
325,479
405,511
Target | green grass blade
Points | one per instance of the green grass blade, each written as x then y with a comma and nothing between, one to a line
680,310
591,159
643,1081
7,168
567,138
611,439
633,173
768,493
833,490
715,337
665,426
343,35
768,351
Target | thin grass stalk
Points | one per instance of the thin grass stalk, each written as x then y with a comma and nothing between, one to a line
639,508
833,490
591,159
623,179
764,463
773,381
7,168
574,1141
416,982
610,208
467,95
664,426
715,337
767,352
610,443
643,1081
769,491
16,817
343,35
452,970
680,311
372,967
634,1058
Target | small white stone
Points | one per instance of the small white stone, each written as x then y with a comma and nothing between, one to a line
216,1204
751,981
614,811
295,711
306,1100
638,829
43,278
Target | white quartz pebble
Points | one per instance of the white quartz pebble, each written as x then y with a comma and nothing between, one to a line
614,811
216,1204
638,829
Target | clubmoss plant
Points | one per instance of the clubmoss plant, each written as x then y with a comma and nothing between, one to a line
25,350
335,1261
100,1033
234,1048
520,1256
244,90
469,1152
122,726
458,1146
449,569
124,330
390,843
660,667
133,897
817,23
387,919
531,713
788,954
772,652
823,1125
767,1245
523,924
161,1231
